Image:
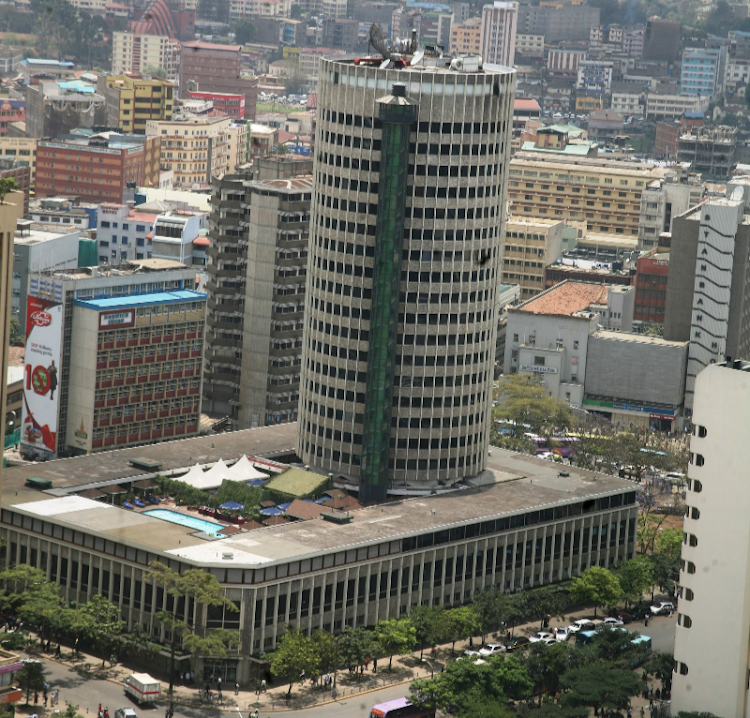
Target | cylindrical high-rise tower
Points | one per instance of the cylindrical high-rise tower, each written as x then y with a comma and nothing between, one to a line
443,237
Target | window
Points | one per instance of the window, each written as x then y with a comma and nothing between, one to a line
539,360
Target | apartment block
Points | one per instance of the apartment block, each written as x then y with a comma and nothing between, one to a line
664,199
254,330
498,33
530,245
603,193
207,67
661,40
530,46
126,346
21,150
97,169
259,8
709,150
228,104
651,275
137,52
132,100
466,37
564,62
195,148
670,106
559,21
702,71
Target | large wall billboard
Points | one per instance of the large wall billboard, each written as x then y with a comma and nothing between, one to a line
41,375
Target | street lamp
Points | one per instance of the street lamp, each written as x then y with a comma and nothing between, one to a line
432,667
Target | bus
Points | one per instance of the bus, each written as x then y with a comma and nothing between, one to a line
561,445
400,708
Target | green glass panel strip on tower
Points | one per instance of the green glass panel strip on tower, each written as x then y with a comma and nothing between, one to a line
397,120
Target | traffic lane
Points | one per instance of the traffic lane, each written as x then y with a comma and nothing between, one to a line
661,630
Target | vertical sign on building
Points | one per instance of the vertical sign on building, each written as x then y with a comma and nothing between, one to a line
41,376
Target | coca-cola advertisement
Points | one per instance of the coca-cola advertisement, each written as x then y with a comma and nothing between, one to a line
40,394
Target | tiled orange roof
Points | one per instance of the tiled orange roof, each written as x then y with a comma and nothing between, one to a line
566,298
300,509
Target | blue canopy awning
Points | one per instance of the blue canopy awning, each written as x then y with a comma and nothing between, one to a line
231,506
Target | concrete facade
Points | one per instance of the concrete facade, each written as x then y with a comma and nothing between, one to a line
259,384
708,288
711,659
450,262
635,379
498,33
536,530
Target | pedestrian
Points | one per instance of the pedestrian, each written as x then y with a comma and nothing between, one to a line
630,712
651,691
643,712
671,612
263,686
236,689
367,662
433,653
182,678
645,622
374,665
471,642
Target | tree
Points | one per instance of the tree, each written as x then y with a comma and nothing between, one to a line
155,71
244,31
464,684
615,647
326,649
635,576
396,636
7,184
596,585
102,623
31,596
205,590
429,624
661,665
17,337
294,658
296,12
540,603
460,624
546,665
490,606
597,686
295,82
522,399
31,678
669,542
355,646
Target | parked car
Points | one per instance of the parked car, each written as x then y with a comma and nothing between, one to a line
468,653
516,643
613,621
640,612
584,624
125,713
491,649
539,636
563,633
661,608
625,616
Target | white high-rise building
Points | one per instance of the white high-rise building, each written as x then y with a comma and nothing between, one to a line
498,38
712,663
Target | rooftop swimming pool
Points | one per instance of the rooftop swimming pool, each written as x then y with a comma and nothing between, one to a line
207,527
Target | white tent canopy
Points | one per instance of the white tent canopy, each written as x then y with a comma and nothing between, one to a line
243,470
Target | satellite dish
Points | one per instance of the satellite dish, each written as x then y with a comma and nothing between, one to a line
737,194
378,41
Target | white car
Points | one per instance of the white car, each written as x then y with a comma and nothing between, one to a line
491,649
613,621
470,654
662,608
541,636
563,633
582,624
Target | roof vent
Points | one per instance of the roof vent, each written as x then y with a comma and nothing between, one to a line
227,556
399,89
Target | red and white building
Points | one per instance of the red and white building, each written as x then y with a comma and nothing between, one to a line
228,104
124,361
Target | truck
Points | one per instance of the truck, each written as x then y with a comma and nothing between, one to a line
142,687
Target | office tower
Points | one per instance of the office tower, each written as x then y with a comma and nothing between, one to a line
711,657
708,289
661,41
10,212
498,33
114,358
405,246
256,286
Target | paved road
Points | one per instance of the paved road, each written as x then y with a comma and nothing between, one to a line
87,693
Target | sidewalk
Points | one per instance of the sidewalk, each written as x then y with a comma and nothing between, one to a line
405,669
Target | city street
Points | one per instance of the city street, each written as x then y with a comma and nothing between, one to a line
87,693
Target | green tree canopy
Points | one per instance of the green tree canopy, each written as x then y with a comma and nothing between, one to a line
461,623
244,31
355,646
491,608
546,665
429,624
295,657
596,585
101,623
31,678
396,636
597,686
464,684
521,398
636,576
205,590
